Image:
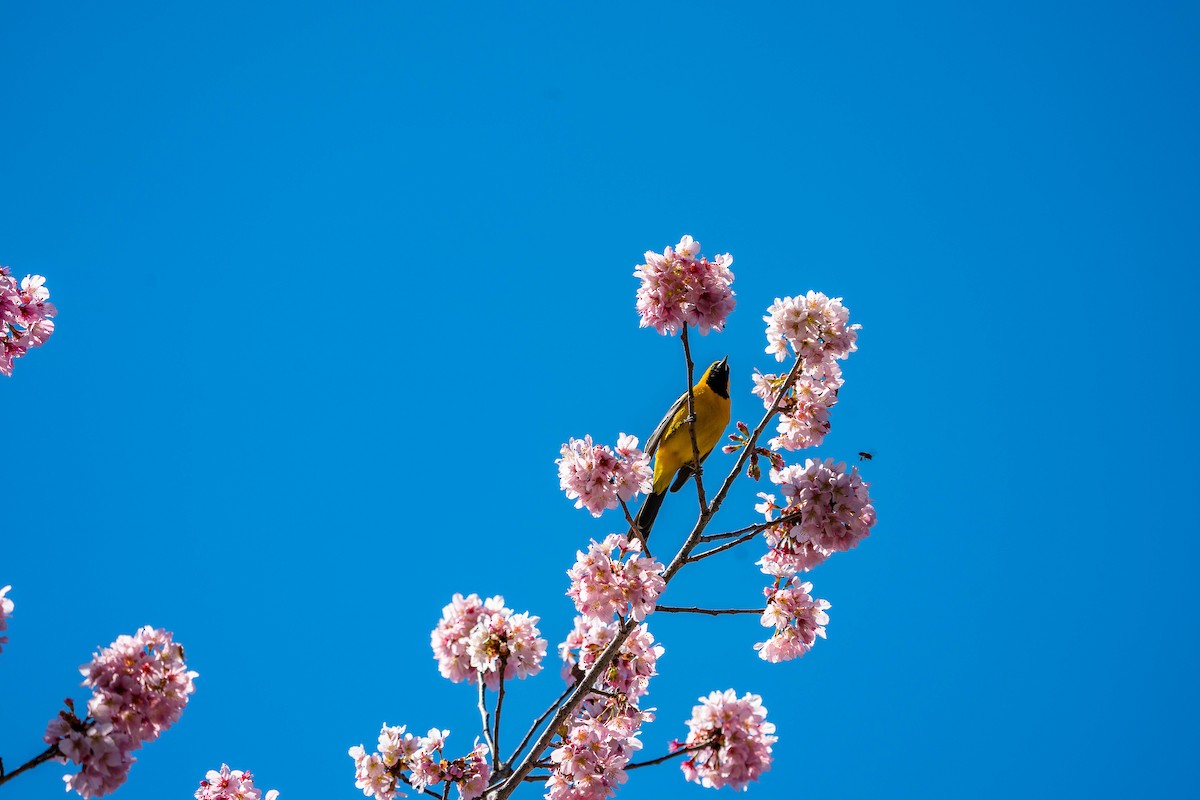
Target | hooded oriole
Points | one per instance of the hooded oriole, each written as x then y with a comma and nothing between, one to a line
671,444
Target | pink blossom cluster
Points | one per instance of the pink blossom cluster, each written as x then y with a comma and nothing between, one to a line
140,685
734,739
797,618
603,585
814,327
25,316
227,784
589,761
6,609
599,477
630,672
380,773
476,636
803,411
681,287
827,510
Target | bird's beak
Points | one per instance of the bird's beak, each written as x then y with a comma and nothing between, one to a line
724,362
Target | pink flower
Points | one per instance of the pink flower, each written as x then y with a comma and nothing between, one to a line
735,741
474,637
602,586
589,763
833,507
140,685
814,327
25,313
797,618
6,609
379,773
227,784
678,288
631,671
599,477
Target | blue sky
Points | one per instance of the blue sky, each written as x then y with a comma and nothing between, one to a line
336,281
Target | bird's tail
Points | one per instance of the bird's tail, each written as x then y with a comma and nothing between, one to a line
646,514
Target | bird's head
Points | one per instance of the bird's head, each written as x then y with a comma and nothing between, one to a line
717,377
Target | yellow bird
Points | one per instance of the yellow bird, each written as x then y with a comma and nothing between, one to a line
671,444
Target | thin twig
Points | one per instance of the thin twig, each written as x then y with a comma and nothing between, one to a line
668,756
499,705
712,612
483,714
749,537
429,792
41,758
533,728
755,528
691,406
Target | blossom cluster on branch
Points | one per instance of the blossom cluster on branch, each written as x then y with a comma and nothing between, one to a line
227,784
25,316
603,586
597,478
140,685
827,509
681,287
418,762
738,736
478,637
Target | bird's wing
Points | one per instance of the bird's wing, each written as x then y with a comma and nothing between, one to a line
664,427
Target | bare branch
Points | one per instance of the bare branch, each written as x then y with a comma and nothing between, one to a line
668,756
533,728
41,758
485,717
749,537
712,612
755,528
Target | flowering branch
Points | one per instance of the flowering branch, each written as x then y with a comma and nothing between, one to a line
581,689
712,612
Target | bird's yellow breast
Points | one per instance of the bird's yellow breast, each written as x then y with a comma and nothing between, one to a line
675,449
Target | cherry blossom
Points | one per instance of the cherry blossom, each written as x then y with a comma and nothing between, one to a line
602,585
475,636
25,316
140,685
814,327
738,740
598,478
797,618
680,287
379,774
227,784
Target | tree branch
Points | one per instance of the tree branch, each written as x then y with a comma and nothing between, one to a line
533,728
712,612
668,756
50,752
485,717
